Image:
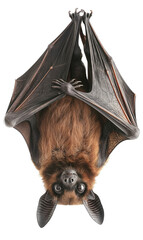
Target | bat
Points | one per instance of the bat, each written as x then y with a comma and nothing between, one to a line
70,120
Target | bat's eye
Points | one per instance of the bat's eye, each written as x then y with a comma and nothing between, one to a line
57,188
81,188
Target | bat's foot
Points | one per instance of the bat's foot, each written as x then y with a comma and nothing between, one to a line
88,15
66,87
72,15
81,13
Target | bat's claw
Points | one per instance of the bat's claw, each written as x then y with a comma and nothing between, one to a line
66,87
90,14
70,14
75,83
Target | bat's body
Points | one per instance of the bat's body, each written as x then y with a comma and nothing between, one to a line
72,122
70,132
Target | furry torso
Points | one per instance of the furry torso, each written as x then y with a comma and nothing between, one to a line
69,127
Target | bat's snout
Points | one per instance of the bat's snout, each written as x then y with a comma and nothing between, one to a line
69,178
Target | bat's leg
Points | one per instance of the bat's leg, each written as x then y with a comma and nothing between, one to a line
66,87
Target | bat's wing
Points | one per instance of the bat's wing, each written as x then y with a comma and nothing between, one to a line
33,92
109,95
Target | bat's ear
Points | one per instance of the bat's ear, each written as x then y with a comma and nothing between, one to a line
45,209
94,207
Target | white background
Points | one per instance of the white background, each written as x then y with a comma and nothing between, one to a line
27,27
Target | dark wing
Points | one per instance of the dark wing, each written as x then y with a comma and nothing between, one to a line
109,95
33,92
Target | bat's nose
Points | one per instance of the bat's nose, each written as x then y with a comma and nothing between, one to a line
69,178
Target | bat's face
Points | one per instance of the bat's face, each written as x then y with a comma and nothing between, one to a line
68,186
69,182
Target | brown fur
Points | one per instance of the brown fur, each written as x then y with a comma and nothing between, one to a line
70,132
69,198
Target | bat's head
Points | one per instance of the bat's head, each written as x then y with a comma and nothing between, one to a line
69,185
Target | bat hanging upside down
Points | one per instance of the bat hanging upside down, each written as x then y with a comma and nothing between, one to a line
72,122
